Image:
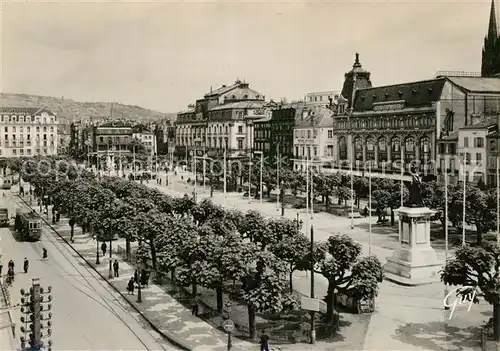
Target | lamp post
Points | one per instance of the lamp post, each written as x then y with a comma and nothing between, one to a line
313,321
110,275
225,175
446,304
261,153
97,251
139,292
195,176
228,325
463,200
250,178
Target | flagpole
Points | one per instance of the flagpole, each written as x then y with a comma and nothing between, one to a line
463,200
225,178
498,201
446,304
402,172
312,189
307,191
369,209
278,176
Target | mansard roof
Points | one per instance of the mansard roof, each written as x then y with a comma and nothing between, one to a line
414,94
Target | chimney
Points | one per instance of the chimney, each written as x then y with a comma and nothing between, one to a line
210,88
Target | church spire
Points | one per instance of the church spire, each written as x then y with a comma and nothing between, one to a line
493,28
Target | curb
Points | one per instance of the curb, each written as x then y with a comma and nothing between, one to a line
8,304
168,336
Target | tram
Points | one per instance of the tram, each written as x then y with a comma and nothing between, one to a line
28,224
7,182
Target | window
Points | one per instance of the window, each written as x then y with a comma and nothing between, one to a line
13,129
101,139
370,150
478,142
21,129
14,152
6,137
382,150
296,151
52,129
479,157
493,145
240,143
28,129
38,129
358,149
240,129
28,151
441,148
330,134
45,129
466,142
21,152
315,151
308,134
467,158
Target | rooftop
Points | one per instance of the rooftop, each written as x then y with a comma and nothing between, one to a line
477,85
414,94
319,117
19,110
483,124
240,104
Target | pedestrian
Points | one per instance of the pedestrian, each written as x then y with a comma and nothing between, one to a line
264,341
94,237
103,248
44,254
130,286
11,265
365,211
144,277
115,268
194,306
26,265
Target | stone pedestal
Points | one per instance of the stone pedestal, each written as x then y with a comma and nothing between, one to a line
415,261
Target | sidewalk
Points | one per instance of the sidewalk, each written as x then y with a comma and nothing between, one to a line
7,340
169,315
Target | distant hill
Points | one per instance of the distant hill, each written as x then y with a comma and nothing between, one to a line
69,110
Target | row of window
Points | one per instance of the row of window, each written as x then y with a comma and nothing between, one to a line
20,143
28,137
115,140
468,159
370,144
28,152
477,142
28,129
302,133
384,122
24,119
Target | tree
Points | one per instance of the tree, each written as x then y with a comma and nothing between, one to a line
477,270
264,283
480,208
347,272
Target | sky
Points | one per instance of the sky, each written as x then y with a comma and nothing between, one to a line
164,55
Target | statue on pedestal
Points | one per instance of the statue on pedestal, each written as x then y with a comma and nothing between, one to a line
416,199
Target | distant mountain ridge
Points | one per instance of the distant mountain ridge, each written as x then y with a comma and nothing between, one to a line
69,110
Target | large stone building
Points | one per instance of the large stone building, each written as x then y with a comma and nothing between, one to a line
382,125
147,137
221,120
323,98
28,131
491,50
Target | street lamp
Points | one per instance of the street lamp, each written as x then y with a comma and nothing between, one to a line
110,275
261,153
139,292
228,325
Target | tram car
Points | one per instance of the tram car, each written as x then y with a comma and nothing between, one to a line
7,182
28,224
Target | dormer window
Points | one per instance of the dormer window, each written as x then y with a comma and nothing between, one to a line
234,96
430,90
363,98
245,96
386,94
374,97
400,93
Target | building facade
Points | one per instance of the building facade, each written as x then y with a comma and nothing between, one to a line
313,140
146,137
400,124
28,131
221,120
490,66
323,98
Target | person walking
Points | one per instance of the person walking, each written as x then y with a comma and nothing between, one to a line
194,306
26,265
103,248
11,265
130,286
44,253
264,341
115,268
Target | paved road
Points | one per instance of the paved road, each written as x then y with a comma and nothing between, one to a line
87,315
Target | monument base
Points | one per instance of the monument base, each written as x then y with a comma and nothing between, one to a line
415,262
